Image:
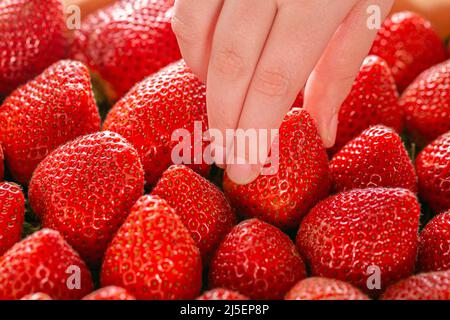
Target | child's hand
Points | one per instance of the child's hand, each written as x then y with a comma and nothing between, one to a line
256,55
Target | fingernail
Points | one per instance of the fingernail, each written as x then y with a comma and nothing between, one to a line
220,156
241,172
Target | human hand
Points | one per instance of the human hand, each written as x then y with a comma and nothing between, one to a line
256,56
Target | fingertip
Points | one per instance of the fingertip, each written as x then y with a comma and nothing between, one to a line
242,174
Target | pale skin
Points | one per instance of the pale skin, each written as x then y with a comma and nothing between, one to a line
256,55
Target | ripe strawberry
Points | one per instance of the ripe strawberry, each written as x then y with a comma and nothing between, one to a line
301,181
409,45
52,109
44,263
110,293
257,260
433,171
434,252
427,104
2,159
149,114
424,286
85,190
372,101
222,294
316,288
348,234
152,255
12,210
376,158
127,41
201,206
33,37
37,296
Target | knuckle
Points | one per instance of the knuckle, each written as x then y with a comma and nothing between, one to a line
272,82
228,63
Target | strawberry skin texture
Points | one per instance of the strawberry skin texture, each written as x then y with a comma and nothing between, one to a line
427,104
376,158
37,296
373,100
54,108
302,180
424,286
12,212
347,233
152,255
2,165
222,294
40,263
434,252
316,288
33,37
85,189
201,206
409,45
433,171
257,260
110,293
148,115
127,41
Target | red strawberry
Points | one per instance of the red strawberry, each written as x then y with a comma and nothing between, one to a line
316,288
152,255
376,158
424,286
37,296
45,263
12,210
151,112
85,190
433,171
33,37
2,159
348,234
427,103
258,260
222,294
110,293
301,181
52,109
409,45
434,252
201,206
372,101
127,41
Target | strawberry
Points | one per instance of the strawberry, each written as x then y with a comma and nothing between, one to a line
153,110
434,252
257,260
12,211
433,171
85,189
376,158
2,166
36,296
222,294
110,293
348,234
427,104
301,181
44,263
201,206
372,101
52,109
153,256
316,288
409,45
127,41
424,286
33,37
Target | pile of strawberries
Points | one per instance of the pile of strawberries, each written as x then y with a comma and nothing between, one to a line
343,223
